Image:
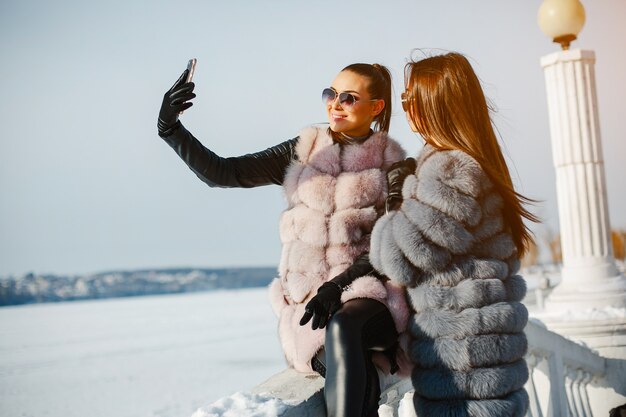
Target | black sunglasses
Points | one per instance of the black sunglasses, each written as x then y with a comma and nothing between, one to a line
347,100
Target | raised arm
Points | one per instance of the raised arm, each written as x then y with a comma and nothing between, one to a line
251,170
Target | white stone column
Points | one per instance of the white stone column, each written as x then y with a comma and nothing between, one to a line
589,277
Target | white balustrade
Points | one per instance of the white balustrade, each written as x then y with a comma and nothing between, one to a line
561,373
569,368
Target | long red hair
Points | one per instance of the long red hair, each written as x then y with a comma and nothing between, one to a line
446,105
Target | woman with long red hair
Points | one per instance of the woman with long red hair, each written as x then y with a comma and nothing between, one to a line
453,236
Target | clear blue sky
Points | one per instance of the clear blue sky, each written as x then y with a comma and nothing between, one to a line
86,184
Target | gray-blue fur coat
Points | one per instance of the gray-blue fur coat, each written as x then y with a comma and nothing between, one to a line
448,245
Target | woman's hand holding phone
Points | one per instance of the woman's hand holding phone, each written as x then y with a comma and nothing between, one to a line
176,100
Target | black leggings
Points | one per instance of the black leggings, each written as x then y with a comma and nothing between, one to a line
361,327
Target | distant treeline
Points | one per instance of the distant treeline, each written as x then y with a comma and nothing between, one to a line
32,288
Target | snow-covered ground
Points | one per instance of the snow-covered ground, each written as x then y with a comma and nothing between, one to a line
179,355
156,356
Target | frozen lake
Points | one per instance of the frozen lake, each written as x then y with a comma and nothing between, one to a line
149,356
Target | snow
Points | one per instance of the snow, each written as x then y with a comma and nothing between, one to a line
196,355
155,356
605,313
243,404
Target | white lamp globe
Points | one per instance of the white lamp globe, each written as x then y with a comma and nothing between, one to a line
561,20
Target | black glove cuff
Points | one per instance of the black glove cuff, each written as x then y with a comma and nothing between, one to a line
166,130
359,268
331,285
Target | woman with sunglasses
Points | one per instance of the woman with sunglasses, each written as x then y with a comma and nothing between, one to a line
335,183
454,238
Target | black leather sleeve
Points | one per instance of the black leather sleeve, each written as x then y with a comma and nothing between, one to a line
251,170
359,268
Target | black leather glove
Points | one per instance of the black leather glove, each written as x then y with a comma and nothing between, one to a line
323,305
328,299
395,178
175,101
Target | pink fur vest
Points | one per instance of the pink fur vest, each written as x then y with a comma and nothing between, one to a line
335,193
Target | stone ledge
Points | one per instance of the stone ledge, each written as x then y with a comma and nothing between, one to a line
304,397
302,392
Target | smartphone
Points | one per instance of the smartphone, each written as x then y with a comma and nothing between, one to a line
191,66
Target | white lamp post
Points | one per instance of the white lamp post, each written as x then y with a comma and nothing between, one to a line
589,277
589,303
589,273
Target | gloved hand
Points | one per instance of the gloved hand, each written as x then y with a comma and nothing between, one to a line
395,178
175,101
323,305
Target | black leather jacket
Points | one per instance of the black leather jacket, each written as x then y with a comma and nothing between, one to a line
247,171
